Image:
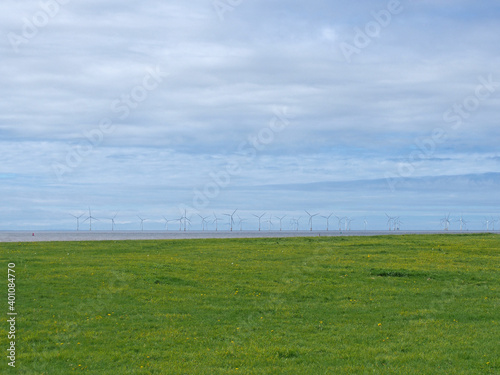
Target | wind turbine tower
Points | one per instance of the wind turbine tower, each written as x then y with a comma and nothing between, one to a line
280,219
397,223
270,221
166,223
90,219
298,222
348,222
216,220
259,217
339,219
389,221
446,222
487,223
240,222
311,220
142,222
113,222
327,221
462,222
77,221
203,221
185,219
231,220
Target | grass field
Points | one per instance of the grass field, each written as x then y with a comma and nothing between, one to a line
356,305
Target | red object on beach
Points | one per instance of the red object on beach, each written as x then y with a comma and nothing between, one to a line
32,234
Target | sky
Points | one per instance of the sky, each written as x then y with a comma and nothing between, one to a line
152,108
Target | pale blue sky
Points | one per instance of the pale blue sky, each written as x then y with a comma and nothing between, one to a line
146,108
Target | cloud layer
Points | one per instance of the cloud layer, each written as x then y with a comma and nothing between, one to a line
136,107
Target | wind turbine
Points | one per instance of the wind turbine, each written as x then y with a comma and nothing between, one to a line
327,220
90,219
113,221
142,222
280,219
216,220
391,222
397,223
348,222
240,221
462,222
340,219
180,222
203,221
77,221
259,217
487,222
231,220
270,221
365,222
311,220
185,219
166,222
294,223
446,222
493,221
187,223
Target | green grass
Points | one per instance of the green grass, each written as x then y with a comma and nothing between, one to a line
353,305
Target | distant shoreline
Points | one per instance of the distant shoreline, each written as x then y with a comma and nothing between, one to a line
69,236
